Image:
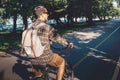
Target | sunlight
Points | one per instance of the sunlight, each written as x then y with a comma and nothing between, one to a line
85,37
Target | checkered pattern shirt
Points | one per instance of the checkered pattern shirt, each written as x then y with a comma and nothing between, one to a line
47,34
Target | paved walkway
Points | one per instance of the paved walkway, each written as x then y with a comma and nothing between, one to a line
11,68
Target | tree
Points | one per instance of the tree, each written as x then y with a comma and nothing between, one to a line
26,10
57,9
14,8
70,9
102,9
2,10
11,10
80,8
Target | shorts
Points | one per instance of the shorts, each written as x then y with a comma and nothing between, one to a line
56,60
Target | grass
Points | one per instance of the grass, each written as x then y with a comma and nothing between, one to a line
9,41
68,28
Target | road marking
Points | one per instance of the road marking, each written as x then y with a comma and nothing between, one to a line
77,63
106,38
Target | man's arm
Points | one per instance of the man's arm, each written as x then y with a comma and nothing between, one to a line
54,36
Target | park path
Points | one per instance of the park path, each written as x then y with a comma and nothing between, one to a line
17,68
6,68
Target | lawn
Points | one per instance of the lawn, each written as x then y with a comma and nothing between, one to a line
9,41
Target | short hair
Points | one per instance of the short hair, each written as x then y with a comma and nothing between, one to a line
40,9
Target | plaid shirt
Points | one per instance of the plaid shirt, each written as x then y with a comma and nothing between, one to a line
47,34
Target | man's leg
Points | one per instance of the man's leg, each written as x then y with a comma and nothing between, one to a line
59,62
61,70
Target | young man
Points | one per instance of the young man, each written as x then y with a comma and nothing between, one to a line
48,34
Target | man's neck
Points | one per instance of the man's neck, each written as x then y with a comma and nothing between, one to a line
40,19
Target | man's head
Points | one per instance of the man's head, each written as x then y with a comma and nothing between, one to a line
41,12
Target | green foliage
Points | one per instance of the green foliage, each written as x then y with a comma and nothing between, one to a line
2,20
1,10
60,8
103,8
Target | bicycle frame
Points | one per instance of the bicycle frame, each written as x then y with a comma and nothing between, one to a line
49,73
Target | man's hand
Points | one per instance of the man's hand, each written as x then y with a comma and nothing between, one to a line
70,45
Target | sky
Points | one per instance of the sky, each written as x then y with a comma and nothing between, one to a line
114,3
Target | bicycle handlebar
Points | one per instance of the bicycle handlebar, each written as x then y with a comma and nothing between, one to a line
59,48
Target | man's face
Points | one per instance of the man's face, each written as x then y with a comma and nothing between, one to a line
45,16
41,13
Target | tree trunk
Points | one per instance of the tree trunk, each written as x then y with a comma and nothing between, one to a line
25,22
14,23
104,17
89,12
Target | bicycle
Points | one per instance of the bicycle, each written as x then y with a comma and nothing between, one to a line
49,72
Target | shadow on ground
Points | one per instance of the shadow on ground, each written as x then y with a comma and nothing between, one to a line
22,70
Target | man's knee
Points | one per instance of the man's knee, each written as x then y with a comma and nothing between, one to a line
57,61
62,63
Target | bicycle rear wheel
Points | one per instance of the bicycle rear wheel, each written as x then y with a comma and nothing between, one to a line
46,70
